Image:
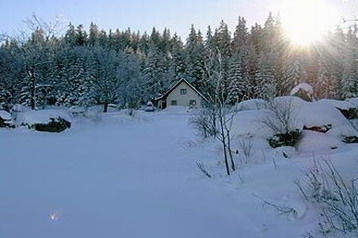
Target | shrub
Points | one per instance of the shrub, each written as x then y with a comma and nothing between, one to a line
335,197
350,139
4,123
285,139
283,116
6,119
55,125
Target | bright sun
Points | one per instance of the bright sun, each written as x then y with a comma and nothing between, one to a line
307,21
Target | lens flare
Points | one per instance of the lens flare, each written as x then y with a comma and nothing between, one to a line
307,21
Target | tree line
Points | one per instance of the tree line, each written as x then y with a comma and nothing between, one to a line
128,68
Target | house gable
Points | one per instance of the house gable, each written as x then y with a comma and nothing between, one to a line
181,94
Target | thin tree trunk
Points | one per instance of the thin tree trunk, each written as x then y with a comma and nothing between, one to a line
223,141
226,160
32,89
105,107
229,149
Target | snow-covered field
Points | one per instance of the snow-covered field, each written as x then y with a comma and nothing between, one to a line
137,177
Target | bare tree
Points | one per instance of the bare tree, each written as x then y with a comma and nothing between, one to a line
35,52
334,195
216,118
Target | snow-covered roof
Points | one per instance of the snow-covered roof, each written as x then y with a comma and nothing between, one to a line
176,85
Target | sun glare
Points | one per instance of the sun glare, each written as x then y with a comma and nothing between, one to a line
307,21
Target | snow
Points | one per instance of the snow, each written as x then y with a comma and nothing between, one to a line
252,104
323,112
41,116
302,86
354,101
345,105
5,115
136,176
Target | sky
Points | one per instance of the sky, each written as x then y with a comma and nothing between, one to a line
143,15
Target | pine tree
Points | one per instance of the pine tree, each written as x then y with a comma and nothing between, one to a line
241,37
71,74
265,77
324,87
293,73
103,82
70,35
81,36
194,55
239,81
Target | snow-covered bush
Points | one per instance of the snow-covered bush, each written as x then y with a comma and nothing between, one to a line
246,147
289,138
350,139
55,125
283,121
77,110
203,121
5,119
335,196
304,91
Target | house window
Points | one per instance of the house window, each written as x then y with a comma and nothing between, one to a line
192,102
183,91
174,102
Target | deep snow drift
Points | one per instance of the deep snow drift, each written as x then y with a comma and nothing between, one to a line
122,176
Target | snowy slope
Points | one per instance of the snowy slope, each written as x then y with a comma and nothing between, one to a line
137,177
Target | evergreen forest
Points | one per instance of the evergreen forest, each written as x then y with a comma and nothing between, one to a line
93,67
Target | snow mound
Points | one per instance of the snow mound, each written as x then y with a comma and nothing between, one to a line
345,105
42,116
354,101
252,104
305,87
323,113
251,123
5,115
125,115
177,109
317,143
291,101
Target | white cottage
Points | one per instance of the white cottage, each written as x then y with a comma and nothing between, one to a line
181,94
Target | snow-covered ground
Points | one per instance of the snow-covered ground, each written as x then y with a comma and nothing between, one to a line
118,176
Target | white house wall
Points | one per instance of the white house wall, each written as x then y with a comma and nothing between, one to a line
183,100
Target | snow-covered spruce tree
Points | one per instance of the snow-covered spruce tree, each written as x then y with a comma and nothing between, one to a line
131,92
157,73
177,56
265,76
71,73
104,82
11,73
238,80
293,73
324,87
240,85
349,81
194,57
